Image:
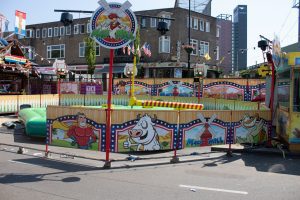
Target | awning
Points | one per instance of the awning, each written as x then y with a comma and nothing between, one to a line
116,69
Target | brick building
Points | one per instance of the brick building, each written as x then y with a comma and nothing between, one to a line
49,41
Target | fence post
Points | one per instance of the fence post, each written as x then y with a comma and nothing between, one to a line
175,158
229,151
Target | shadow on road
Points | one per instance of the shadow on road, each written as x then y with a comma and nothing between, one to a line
272,163
28,178
61,166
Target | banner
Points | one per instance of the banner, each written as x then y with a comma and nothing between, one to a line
20,23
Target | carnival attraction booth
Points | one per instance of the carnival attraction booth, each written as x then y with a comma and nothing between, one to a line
288,106
15,68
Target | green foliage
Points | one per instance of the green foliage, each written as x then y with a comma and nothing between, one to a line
100,33
165,144
124,35
90,55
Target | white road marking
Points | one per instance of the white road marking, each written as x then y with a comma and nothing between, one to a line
12,161
213,189
37,154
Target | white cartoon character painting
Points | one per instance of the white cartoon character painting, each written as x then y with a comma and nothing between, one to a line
252,130
143,135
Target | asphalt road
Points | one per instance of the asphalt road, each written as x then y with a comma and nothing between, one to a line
246,176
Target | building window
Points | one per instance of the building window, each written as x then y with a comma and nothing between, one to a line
55,32
29,33
201,25
49,32
143,22
218,31
204,48
153,23
68,30
81,28
207,26
194,43
164,44
44,32
82,49
195,24
217,51
29,52
88,28
56,51
62,31
37,33
76,29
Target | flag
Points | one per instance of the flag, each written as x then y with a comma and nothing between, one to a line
128,49
207,57
20,23
146,49
139,51
132,49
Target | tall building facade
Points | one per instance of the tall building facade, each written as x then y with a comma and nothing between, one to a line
224,29
239,43
53,40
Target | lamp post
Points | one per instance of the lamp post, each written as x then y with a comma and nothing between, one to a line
189,36
199,74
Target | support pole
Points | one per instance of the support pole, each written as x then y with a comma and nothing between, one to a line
58,88
108,111
132,99
175,158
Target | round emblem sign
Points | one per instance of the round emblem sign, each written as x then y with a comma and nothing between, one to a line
113,25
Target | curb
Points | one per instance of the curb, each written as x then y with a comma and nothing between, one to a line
265,151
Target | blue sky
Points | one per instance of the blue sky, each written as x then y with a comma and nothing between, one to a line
265,17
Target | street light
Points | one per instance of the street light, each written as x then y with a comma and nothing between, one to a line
189,36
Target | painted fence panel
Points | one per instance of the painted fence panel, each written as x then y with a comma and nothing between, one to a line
76,127
143,130
204,128
251,126
234,89
154,129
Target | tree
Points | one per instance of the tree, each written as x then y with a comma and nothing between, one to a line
90,55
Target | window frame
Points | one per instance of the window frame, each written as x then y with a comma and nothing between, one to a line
50,32
76,29
37,33
62,31
82,46
207,27
202,51
69,30
62,51
194,43
162,43
153,22
201,25
56,29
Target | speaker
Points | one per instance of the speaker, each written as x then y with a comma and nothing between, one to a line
66,18
162,27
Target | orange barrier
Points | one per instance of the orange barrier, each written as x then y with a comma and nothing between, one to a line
170,104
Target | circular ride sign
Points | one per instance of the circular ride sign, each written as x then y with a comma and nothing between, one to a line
113,25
